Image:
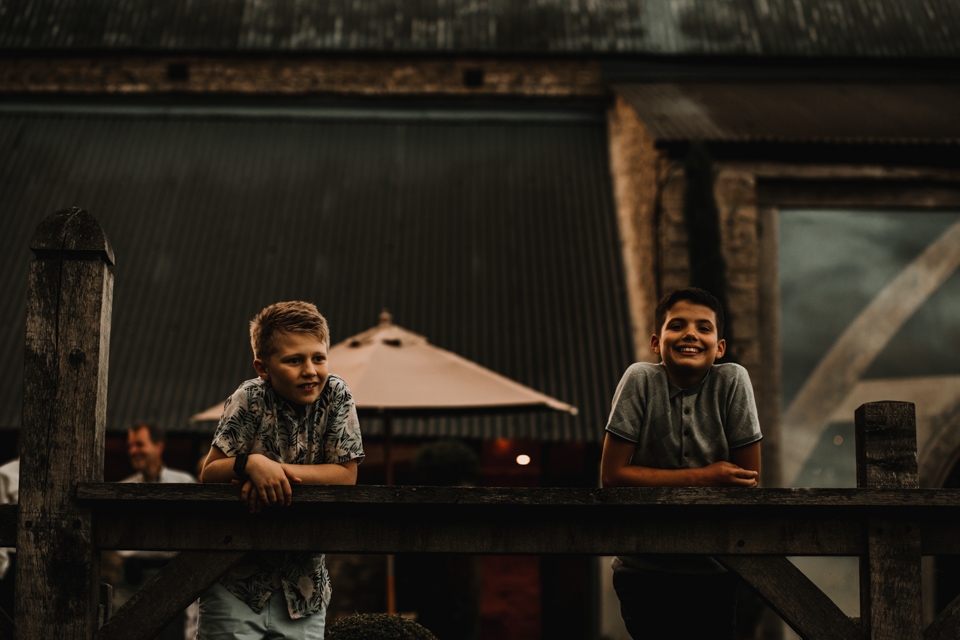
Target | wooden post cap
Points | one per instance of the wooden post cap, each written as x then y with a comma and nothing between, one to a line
72,234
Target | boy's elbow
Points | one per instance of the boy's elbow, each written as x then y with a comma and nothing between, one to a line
609,478
349,474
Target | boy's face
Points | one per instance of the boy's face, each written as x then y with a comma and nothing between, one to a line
688,343
297,369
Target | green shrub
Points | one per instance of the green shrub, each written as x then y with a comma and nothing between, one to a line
377,626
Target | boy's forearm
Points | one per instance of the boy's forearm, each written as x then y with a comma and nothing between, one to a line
345,473
617,470
218,470
637,476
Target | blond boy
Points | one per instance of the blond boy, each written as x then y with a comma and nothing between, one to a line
293,424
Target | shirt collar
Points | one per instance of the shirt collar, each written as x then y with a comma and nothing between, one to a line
675,390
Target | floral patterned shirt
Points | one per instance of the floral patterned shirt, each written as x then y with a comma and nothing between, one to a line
257,420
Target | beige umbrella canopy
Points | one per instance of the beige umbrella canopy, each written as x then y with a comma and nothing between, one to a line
392,370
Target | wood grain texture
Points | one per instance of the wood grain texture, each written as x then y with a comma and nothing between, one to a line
69,301
947,625
167,594
943,501
792,595
392,519
890,576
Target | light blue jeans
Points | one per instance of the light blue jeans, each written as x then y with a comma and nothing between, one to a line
225,617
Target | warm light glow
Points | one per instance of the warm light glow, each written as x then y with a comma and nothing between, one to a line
523,459
838,440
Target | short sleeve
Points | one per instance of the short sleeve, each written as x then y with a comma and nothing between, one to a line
628,405
238,423
342,441
742,424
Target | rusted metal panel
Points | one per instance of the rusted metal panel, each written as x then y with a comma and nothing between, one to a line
820,28
798,112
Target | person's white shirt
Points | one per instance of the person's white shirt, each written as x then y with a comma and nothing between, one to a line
9,494
166,476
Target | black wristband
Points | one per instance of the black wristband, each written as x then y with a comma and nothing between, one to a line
240,466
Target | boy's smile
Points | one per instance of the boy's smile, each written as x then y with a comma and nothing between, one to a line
297,369
688,343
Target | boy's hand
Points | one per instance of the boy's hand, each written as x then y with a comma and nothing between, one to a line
727,474
269,483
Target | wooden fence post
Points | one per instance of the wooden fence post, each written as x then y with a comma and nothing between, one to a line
69,302
890,582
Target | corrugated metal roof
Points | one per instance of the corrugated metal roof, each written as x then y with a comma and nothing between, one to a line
813,28
798,112
495,238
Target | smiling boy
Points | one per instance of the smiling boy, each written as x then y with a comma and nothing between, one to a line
683,422
294,424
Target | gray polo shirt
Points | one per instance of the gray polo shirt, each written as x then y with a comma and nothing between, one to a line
678,428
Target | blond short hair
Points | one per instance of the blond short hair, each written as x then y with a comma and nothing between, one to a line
286,317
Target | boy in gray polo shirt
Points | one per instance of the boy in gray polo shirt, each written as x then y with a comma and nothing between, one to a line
685,422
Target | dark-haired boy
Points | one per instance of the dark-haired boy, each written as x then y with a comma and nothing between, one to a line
685,422
292,424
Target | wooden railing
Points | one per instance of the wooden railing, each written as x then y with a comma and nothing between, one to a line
67,515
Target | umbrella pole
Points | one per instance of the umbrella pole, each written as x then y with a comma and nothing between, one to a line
387,458
388,464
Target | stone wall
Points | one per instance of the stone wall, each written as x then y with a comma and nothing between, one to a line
635,165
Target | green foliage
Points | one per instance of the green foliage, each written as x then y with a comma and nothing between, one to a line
447,463
377,626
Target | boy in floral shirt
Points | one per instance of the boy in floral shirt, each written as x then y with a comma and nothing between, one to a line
293,424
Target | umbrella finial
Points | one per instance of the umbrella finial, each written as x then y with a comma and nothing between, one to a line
385,318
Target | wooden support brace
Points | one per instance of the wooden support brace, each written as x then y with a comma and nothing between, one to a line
792,595
890,580
7,630
947,624
167,594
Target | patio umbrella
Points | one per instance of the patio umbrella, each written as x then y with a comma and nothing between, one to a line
395,372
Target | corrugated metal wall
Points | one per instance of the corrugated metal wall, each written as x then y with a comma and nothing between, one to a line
492,235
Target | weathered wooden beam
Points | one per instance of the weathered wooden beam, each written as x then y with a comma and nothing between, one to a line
475,531
381,519
155,604
7,630
69,302
890,578
947,625
943,501
797,600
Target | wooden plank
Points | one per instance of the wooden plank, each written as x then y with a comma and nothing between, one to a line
944,501
474,528
69,301
788,521
925,191
167,594
797,600
947,624
890,578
